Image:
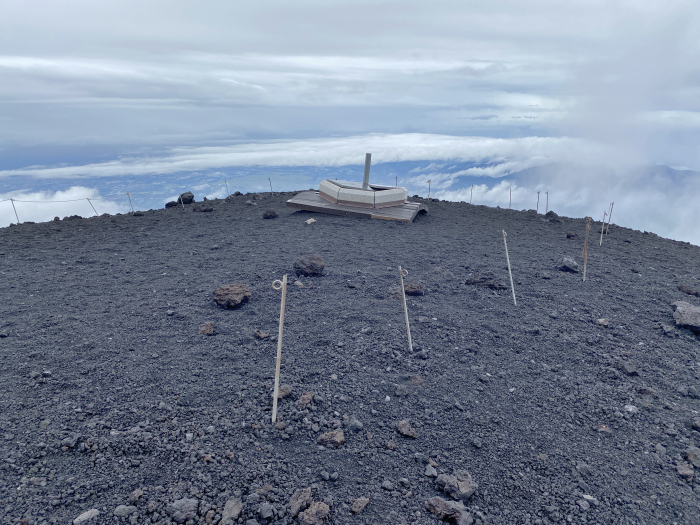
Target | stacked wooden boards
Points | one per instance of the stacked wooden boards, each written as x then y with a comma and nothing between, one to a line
312,201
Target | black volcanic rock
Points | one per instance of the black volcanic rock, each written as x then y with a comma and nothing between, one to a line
111,400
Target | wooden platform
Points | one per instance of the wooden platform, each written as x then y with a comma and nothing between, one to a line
312,201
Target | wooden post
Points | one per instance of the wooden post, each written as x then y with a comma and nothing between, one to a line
585,249
181,203
277,285
397,180
131,205
429,188
510,197
471,194
602,227
509,272
403,273
272,192
13,207
538,202
546,208
93,208
227,192
612,204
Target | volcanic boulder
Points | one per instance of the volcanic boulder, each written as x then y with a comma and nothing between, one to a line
270,214
460,486
568,265
186,198
309,265
231,295
687,316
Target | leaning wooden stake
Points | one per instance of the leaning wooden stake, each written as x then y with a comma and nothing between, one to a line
130,205
403,273
602,227
512,288
93,208
585,248
279,285
538,202
271,192
226,184
13,207
429,187
612,205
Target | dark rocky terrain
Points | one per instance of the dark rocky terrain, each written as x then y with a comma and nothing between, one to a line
110,399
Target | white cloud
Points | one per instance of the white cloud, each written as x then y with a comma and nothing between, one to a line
336,152
43,206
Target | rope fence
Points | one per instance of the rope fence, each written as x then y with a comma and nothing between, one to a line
129,195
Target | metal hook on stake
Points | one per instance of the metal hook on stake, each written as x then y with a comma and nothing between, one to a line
404,273
279,285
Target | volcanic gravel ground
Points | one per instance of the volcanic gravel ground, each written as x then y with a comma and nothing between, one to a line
111,400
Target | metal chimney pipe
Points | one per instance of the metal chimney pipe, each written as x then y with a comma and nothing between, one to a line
365,179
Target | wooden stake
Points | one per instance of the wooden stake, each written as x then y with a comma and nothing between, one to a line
272,192
602,227
510,197
227,192
538,202
13,207
182,203
403,273
429,187
546,208
93,208
471,194
512,288
585,248
279,285
612,204
131,205
397,180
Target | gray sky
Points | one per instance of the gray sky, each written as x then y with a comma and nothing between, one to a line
611,84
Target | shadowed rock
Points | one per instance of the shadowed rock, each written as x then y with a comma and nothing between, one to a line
186,198
309,265
231,295
460,486
270,214
568,265
687,316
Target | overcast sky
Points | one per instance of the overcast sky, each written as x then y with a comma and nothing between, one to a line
115,88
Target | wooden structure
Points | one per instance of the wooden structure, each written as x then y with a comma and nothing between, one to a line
342,197
312,201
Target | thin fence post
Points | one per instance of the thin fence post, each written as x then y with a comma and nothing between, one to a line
429,187
403,273
272,192
471,194
546,209
512,288
585,249
510,197
538,202
397,181
181,203
279,285
612,205
602,227
13,207
227,192
130,205
93,208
